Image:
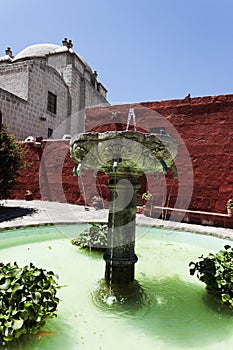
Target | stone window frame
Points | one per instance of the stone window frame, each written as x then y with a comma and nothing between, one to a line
52,103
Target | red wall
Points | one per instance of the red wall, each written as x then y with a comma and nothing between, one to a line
202,127
49,173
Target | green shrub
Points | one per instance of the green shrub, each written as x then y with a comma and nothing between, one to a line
94,237
12,160
216,270
27,299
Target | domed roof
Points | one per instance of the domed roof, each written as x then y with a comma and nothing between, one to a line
42,50
38,50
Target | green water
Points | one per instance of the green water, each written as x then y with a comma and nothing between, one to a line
174,313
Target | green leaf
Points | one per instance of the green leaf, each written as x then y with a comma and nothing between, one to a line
5,284
17,324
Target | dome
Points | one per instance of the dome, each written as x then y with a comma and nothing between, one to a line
38,50
42,50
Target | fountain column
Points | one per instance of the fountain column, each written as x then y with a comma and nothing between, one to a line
120,257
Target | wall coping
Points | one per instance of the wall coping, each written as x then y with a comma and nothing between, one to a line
190,216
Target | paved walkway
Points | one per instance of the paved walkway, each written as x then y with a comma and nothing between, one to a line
16,213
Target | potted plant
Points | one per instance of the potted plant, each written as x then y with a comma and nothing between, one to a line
97,202
230,207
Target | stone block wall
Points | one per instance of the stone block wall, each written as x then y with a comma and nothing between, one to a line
13,109
64,75
93,96
48,174
203,128
26,116
15,81
43,79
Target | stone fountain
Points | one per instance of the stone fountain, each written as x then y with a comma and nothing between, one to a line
124,156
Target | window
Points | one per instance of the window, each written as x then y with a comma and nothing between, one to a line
52,103
50,132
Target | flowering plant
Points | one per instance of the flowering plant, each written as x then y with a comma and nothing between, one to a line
230,203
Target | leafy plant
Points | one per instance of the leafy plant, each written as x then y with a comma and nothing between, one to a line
94,237
27,299
12,160
216,270
230,203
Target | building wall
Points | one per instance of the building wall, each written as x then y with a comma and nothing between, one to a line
84,88
15,108
15,81
29,116
93,96
49,173
203,128
65,75
44,78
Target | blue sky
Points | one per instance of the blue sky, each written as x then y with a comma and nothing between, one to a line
145,50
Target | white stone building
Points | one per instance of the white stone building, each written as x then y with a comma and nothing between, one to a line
45,89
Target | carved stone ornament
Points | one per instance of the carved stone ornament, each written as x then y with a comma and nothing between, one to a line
134,151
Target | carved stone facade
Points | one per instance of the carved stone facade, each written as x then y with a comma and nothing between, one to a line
44,90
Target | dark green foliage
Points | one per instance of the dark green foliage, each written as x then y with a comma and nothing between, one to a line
27,299
11,160
94,237
216,270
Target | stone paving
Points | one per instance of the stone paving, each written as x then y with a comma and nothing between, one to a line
17,213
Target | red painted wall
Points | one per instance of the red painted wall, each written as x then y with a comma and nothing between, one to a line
203,128
202,125
49,173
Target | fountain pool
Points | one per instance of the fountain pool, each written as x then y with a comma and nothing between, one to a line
174,311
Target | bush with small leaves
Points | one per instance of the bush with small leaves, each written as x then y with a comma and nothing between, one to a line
27,299
216,270
94,237
12,156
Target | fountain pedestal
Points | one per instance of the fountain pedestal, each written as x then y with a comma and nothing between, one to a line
120,257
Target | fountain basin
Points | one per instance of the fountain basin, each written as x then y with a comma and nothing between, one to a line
137,152
174,313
